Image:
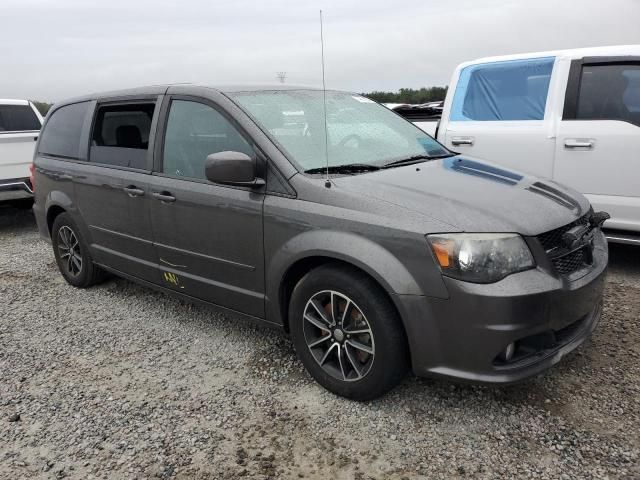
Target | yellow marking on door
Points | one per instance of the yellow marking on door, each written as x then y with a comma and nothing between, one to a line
171,278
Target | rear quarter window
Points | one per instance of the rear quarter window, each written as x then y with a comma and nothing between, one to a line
61,134
503,91
18,118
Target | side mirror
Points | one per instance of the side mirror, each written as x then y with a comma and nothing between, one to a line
232,168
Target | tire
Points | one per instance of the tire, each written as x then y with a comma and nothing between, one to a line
368,349
77,268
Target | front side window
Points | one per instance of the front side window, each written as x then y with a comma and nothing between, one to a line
61,134
610,92
503,91
121,134
18,118
358,130
195,131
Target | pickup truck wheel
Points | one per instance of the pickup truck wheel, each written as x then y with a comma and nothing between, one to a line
72,254
347,334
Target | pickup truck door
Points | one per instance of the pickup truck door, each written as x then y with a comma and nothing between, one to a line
19,129
598,138
498,112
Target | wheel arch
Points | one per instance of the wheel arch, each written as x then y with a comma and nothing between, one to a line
52,213
58,202
309,250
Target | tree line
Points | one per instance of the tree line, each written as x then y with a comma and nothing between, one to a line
409,95
43,107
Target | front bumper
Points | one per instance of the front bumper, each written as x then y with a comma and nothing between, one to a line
546,315
15,189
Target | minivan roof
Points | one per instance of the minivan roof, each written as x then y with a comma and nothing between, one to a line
162,89
610,51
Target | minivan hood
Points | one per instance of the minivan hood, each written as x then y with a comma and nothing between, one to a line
472,195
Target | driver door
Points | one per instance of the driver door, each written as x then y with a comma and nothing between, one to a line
208,237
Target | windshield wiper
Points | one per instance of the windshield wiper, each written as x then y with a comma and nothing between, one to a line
348,168
415,158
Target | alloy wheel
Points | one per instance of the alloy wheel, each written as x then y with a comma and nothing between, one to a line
69,251
338,335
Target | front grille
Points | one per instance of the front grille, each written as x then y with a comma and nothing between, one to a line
571,262
553,238
566,261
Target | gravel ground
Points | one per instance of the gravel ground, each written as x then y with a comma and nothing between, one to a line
119,381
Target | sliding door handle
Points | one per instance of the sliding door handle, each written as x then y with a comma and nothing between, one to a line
164,197
133,191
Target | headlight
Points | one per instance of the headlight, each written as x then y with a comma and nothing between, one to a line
481,257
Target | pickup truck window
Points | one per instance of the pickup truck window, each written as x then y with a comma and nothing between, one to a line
503,91
61,135
121,135
18,118
610,92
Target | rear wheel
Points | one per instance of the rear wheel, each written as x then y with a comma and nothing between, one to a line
72,254
346,333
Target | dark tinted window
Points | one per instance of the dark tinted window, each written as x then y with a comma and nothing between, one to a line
61,135
16,118
610,92
121,134
194,131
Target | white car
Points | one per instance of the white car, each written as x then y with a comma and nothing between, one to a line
572,116
20,124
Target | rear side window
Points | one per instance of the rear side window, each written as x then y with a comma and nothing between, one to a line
121,134
61,135
503,91
609,92
18,118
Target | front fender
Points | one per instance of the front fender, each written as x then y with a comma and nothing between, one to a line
348,247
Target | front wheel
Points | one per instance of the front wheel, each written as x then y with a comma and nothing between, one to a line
347,333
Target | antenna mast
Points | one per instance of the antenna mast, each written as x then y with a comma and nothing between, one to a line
324,104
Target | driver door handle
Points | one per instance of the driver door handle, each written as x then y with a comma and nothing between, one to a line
164,197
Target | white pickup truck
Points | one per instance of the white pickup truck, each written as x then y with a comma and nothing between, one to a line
20,124
572,116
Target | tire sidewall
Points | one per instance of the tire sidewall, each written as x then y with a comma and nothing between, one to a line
62,220
389,364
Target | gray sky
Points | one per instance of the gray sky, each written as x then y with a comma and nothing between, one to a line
61,48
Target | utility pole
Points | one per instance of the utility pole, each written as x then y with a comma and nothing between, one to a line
281,76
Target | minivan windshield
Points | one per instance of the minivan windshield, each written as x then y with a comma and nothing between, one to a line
360,132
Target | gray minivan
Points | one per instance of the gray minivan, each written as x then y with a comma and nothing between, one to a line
330,216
